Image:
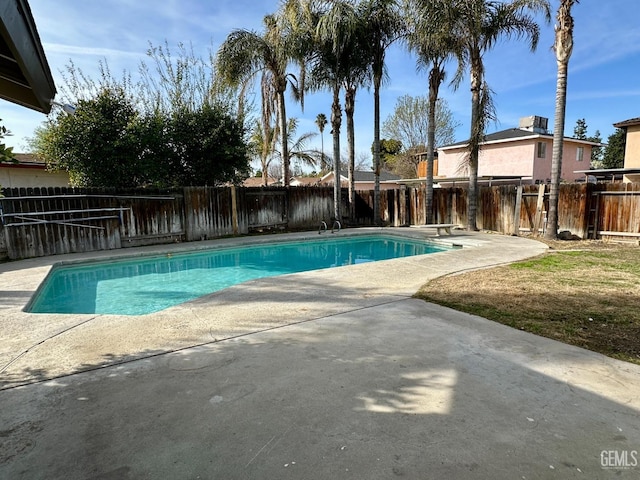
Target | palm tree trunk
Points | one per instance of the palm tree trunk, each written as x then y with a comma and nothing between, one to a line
336,121
551,231
323,162
434,84
376,150
349,107
563,47
283,135
265,174
474,150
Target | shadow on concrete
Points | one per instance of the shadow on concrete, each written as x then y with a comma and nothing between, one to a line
14,298
412,390
240,310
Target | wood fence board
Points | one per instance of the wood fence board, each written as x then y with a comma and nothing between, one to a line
195,213
308,206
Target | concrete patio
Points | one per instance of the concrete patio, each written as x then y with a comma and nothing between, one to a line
327,374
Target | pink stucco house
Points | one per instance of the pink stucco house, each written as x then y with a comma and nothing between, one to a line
524,152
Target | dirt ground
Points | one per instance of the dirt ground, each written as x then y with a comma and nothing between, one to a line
582,292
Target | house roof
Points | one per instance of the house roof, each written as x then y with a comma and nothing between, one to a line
257,181
628,123
364,176
481,179
609,172
514,134
25,77
305,181
24,160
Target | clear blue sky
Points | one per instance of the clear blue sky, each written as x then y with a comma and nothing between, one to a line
603,88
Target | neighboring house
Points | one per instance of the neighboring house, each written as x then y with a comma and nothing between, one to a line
521,153
305,181
29,172
258,181
422,164
365,180
632,149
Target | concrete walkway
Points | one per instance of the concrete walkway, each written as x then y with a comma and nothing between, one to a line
327,374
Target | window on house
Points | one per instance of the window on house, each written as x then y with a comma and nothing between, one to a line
541,150
580,154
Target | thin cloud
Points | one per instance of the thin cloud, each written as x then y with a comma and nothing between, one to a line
91,51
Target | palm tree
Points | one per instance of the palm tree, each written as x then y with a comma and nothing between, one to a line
265,132
478,24
383,27
328,35
356,75
335,33
430,37
563,47
263,144
298,150
321,122
244,54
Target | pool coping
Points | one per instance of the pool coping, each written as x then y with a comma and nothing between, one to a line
45,346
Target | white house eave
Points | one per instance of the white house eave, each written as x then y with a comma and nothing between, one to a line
520,139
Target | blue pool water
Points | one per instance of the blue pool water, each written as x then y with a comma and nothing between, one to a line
150,284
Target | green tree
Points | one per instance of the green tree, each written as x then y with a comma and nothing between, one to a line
389,149
208,148
96,145
596,152
580,130
107,143
126,133
614,152
563,47
6,153
478,25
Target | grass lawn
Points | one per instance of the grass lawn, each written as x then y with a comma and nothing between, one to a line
585,293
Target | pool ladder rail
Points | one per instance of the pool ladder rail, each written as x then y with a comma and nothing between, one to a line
323,227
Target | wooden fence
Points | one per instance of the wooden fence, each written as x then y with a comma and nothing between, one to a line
49,221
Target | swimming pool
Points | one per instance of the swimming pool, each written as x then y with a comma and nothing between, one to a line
149,284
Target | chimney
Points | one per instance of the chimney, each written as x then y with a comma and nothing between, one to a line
534,124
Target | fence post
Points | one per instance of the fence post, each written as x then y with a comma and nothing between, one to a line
403,206
234,210
516,216
539,208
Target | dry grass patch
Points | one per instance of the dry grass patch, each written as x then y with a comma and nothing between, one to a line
582,293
